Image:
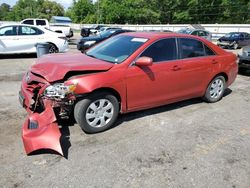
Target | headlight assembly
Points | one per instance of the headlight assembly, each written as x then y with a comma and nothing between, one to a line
59,90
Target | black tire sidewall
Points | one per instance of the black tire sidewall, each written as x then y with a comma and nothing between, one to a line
53,46
82,106
207,97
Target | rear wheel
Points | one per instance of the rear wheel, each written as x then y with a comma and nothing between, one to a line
215,89
52,49
97,112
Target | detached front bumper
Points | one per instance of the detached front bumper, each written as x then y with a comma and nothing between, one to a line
40,129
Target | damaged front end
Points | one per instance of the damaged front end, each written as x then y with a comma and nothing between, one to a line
45,104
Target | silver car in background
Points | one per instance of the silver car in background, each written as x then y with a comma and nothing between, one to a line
244,56
197,32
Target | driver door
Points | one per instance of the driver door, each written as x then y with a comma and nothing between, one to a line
149,86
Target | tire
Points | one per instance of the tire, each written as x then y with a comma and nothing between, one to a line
53,49
97,112
235,45
215,90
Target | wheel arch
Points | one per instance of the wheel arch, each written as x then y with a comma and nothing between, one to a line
221,74
111,91
218,74
54,45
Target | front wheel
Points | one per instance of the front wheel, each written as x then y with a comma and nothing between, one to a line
97,112
215,89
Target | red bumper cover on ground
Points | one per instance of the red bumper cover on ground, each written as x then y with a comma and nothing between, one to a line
40,131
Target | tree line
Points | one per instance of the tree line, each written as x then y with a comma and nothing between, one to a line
134,11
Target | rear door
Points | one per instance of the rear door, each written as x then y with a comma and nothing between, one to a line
8,39
197,65
28,36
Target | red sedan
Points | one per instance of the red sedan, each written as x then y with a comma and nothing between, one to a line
126,73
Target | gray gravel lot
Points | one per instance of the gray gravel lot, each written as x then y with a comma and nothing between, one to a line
187,144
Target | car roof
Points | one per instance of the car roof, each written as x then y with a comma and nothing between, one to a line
4,25
151,35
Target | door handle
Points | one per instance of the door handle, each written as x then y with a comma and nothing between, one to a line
214,61
176,68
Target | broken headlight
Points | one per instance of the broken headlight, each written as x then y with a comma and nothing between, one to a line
59,90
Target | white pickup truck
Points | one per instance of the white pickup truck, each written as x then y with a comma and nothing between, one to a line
59,28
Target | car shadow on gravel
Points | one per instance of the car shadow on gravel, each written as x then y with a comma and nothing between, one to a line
18,56
136,115
65,132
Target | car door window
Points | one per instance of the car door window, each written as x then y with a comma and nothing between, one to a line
25,30
162,50
28,22
8,31
208,51
190,48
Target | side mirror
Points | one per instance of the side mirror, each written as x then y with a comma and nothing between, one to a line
144,61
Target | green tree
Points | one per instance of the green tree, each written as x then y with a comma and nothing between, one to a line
81,11
4,11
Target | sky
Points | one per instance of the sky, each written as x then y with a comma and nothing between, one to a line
65,3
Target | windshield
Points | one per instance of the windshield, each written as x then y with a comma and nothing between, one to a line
185,31
116,49
107,33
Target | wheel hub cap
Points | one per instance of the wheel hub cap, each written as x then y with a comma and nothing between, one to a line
216,88
99,113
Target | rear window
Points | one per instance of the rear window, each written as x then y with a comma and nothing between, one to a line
191,48
40,22
208,51
26,30
28,22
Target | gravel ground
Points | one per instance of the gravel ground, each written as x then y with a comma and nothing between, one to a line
186,144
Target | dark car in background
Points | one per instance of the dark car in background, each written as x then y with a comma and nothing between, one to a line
86,42
197,32
234,40
86,31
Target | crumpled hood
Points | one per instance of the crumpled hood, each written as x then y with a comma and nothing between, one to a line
54,67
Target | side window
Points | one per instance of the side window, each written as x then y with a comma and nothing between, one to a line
208,51
162,50
40,22
191,48
25,30
8,31
195,33
28,22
